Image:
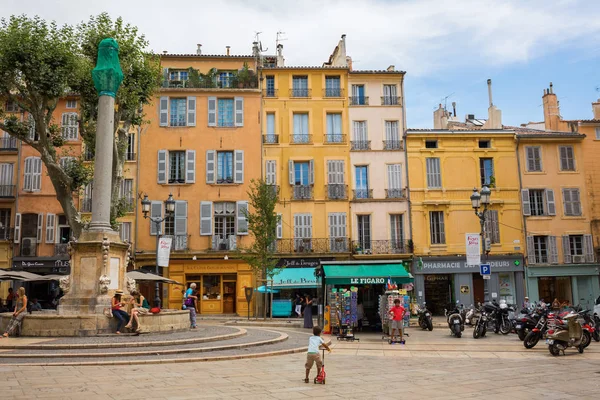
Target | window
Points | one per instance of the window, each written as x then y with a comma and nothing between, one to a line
126,191
225,167
4,223
537,201
397,231
300,86
540,249
65,162
271,172
485,144
11,106
271,137
225,79
534,159
576,245
332,86
436,227
125,231
360,136
486,169
434,175
337,232
358,96
270,84
178,112
6,180
335,180
177,167
130,155
301,173
392,137
178,75
70,126
394,190
390,95
364,232
301,128
567,158
598,132
334,128
86,200
225,112
572,202
431,144
33,174
302,232
224,221
362,182
492,226
71,103
169,225
578,249
33,134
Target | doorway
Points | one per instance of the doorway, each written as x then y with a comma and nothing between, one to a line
438,292
478,289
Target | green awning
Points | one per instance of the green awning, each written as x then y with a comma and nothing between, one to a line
365,274
293,278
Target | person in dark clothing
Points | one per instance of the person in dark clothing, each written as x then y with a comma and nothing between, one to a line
298,304
308,319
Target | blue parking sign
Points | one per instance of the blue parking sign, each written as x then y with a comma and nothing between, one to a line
485,269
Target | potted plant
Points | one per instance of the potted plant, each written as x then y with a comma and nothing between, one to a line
243,76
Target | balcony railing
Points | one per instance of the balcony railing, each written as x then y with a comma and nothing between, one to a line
8,144
302,139
332,138
88,156
333,92
61,250
360,145
179,242
393,145
312,245
390,101
231,84
86,205
128,203
359,100
336,191
6,233
274,189
273,93
7,191
227,243
302,192
130,156
27,248
395,193
300,92
270,138
381,247
362,194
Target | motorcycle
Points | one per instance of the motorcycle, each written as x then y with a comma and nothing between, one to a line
573,335
538,331
481,325
498,313
455,321
470,316
425,320
587,323
525,322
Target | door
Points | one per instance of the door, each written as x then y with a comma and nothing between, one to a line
585,293
362,182
438,292
478,285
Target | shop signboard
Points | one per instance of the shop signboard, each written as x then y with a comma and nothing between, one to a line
473,248
301,262
458,265
164,250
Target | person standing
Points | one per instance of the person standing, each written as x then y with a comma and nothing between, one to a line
298,303
308,319
14,325
397,315
191,304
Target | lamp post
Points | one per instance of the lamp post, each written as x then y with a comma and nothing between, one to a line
482,201
169,212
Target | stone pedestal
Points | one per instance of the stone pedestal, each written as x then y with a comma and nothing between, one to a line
98,267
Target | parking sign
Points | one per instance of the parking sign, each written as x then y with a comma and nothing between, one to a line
485,269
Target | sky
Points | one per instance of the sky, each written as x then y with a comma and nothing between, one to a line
448,48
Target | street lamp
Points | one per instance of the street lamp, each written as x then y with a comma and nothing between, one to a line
479,200
169,212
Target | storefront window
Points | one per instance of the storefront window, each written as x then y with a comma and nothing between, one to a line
211,287
507,287
551,288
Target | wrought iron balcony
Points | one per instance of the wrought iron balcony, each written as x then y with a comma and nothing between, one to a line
88,155
333,138
390,101
86,205
226,243
273,93
232,83
336,191
130,156
393,145
301,139
381,247
363,194
312,245
61,250
8,144
7,191
6,233
274,189
395,193
270,138
360,145
302,192
359,100
179,242
300,92
27,248
333,92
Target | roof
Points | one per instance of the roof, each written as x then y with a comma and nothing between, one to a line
306,67
474,130
207,55
537,133
590,121
376,71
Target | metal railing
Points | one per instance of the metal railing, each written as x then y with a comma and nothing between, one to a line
312,245
300,92
302,192
86,205
7,191
393,145
274,189
334,138
179,242
223,244
8,144
336,191
381,247
390,101
395,193
301,139
232,83
270,138
360,145
333,92
273,93
61,249
6,233
27,248
362,194
88,155
359,100
130,156
129,203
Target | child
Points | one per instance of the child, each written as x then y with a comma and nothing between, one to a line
397,314
313,355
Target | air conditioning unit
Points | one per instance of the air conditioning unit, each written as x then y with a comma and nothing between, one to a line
578,259
28,247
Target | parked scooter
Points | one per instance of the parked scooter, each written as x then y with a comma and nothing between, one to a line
425,320
587,323
471,315
573,335
455,321
539,331
481,325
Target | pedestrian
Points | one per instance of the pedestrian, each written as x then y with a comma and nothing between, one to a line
308,318
526,303
313,355
191,297
10,299
298,303
35,305
119,314
19,312
397,315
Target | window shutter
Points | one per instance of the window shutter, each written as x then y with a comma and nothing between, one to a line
27,175
552,250
588,248
162,167
206,214
210,166
31,122
239,166
566,249
190,162
331,172
6,177
165,77
279,226
155,212
180,217
530,251
394,176
40,227
242,219
567,202
442,228
271,167
550,202
17,237
291,169
576,201
164,111
191,111
212,111
239,111
36,180
50,228
525,202
311,172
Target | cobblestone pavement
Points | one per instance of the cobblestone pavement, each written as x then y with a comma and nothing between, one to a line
432,365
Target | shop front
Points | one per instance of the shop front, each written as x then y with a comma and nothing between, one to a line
440,281
46,292
572,284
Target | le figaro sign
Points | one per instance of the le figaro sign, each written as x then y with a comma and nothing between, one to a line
365,281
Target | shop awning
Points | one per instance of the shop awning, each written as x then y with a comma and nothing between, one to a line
140,276
263,289
365,274
294,278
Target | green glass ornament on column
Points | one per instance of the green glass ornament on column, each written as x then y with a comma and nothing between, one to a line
107,74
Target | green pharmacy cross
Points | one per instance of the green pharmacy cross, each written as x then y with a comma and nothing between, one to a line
108,75
517,262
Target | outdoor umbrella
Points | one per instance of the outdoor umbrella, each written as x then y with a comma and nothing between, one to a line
140,276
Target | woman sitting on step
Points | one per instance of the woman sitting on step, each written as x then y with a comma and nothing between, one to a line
14,326
119,314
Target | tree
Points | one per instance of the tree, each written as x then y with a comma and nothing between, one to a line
41,62
262,225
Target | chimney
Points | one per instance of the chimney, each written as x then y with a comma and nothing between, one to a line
494,120
391,68
454,108
228,47
255,50
440,118
165,52
349,62
551,109
280,59
199,49
596,109
489,82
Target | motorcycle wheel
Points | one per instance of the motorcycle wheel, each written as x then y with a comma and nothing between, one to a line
580,349
423,324
476,333
586,340
596,336
457,331
483,331
531,340
554,350
521,333
429,325
505,327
